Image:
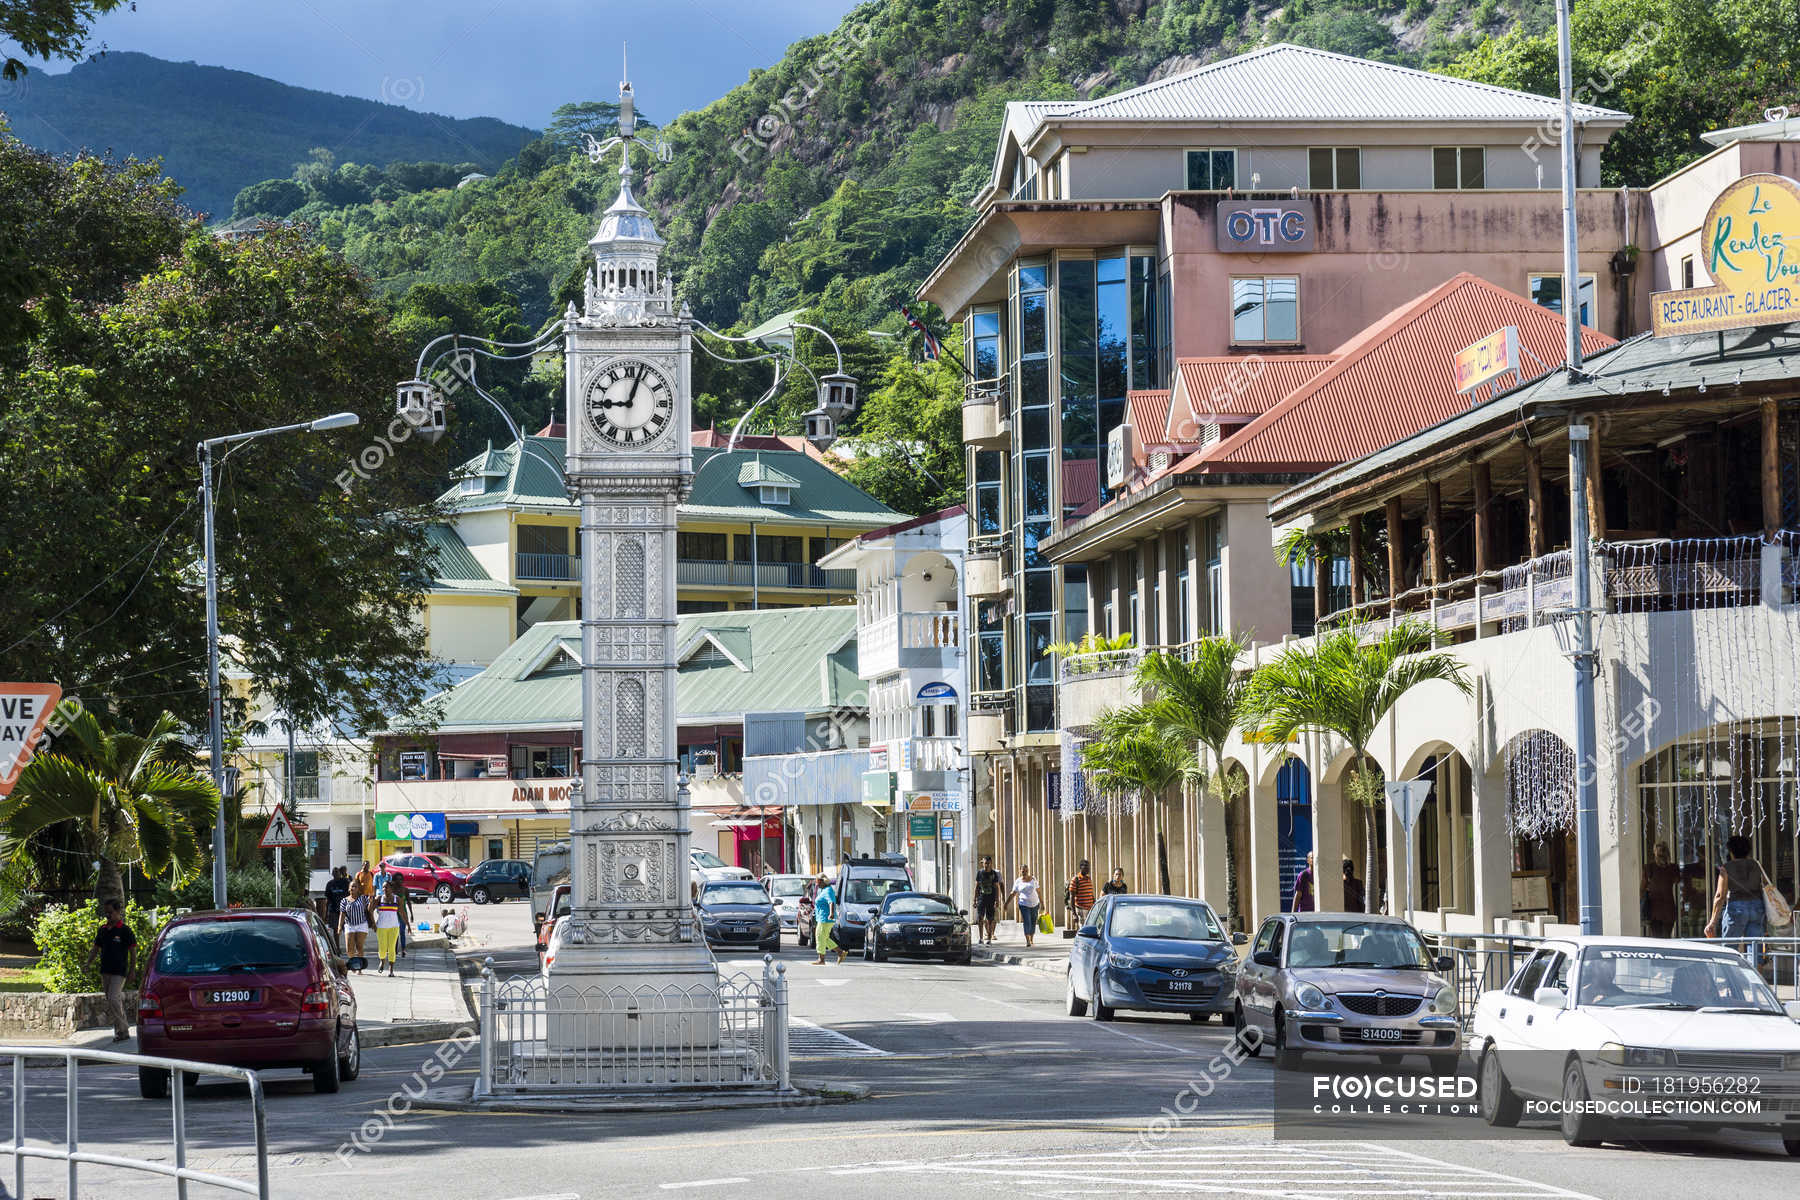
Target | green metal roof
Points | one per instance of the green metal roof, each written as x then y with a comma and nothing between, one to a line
455,569
800,659
721,481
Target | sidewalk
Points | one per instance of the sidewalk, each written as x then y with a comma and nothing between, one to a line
1050,954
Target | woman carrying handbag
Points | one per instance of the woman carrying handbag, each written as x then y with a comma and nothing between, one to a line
1745,904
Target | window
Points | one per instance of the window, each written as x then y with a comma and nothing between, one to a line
773,548
540,762
1547,291
1211,170
708,547
1526,982
472,485
318,849
1687,271
984,344
1265,937
1459,167
773,493
821,546
1333,168
353,846
1265,308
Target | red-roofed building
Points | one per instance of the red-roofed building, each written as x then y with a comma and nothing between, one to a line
1198,530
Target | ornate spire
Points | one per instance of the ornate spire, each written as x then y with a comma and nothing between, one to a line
626,281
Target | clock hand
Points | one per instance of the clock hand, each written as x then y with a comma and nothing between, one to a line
637,377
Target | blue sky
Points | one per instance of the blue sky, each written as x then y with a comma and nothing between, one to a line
513,59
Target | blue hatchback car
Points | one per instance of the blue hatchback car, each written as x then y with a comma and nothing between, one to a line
1152,954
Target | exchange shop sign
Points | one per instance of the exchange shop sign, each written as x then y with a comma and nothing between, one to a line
1265,226
1744,248
410,826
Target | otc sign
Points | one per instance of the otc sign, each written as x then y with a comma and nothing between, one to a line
1265,226
25,709
1490,358
1743,246
409,826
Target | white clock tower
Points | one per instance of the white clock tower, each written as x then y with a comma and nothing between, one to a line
631,923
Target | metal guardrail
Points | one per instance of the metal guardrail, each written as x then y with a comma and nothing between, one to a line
71,1153
728,1034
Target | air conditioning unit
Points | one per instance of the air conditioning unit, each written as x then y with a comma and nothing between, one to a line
1121,454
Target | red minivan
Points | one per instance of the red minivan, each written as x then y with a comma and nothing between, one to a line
248,987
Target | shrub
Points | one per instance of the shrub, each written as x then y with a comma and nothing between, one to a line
64,936
245,887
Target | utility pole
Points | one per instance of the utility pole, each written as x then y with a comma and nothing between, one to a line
1587,763
216,725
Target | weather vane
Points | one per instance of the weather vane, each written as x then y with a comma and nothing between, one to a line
598,150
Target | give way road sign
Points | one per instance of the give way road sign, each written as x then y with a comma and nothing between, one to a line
25,709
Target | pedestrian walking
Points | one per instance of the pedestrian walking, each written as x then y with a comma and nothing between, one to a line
824,916
1304,898
1739,899
117,947
1116,886
1025,891
364,882
987,899
336,889
1079,895
390,915
1354,896
353,921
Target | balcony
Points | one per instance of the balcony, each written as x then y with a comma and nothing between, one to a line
909,641
928,764
990,722
548,568
1090,684
986,567
705,572
986,422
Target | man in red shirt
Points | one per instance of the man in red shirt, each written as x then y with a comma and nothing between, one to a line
1080,896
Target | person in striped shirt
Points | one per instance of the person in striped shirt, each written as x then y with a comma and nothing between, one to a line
1080,896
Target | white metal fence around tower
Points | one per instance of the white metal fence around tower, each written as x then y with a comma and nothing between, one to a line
728,1031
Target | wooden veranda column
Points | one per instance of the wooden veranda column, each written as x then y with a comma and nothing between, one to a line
1434,532
1483,485
1534,501
1356,559
1596,488
1771,468
1396,551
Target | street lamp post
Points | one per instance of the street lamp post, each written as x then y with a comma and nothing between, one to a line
215,718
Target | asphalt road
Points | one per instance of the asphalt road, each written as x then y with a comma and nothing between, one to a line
980,1085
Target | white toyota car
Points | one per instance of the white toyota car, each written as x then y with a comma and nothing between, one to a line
1607,1034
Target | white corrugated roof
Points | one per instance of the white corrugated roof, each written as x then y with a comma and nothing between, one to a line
1285,82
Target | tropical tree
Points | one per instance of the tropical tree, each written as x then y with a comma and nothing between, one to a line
1342,682
135,800
1133,754
1198,696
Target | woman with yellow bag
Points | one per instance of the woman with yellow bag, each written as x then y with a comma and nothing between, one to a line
1025,890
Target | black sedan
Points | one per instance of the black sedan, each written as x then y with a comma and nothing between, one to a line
918,924
498,879
737,912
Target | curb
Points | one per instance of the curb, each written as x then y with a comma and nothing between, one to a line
804,1094
376,1037
1019,958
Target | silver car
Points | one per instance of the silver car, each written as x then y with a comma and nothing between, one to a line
1347,983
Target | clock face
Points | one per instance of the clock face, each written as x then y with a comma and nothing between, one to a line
629,402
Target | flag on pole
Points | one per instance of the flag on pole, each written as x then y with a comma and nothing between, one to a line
933,347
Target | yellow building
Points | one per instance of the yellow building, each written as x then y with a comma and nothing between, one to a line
757,520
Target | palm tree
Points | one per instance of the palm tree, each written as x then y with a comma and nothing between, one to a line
1338,683
134,799
1198,696
1136,755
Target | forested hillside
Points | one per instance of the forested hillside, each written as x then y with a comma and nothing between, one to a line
835,180
218,130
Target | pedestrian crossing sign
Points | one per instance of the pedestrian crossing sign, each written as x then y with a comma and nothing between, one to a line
280,833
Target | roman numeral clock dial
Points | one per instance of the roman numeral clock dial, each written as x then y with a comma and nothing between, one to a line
630,403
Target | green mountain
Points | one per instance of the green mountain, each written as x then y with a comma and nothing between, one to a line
218,131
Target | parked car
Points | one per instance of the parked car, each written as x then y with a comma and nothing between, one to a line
805,918
499,879
735,912
249,987
436,875
787,891
1347,983
919,924
1643,1018
704,868
1152,954
545,925
862,883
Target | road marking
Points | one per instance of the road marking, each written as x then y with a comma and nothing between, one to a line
700,1183
930,1018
